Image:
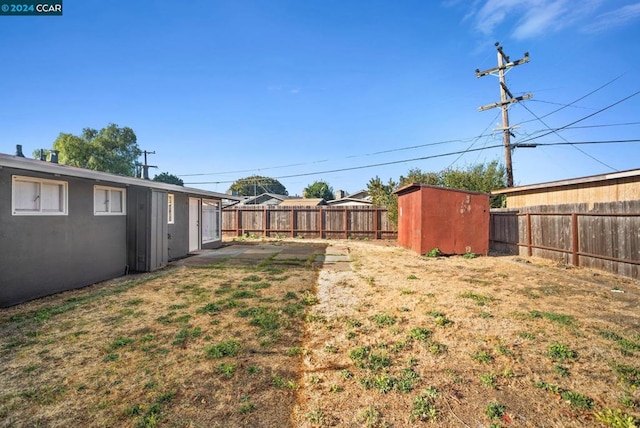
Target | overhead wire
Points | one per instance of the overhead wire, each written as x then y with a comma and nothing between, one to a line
353,168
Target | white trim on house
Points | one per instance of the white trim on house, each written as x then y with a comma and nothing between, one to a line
38,196
109,200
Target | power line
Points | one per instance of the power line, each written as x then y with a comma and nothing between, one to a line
353,168
579,99
574,146
583,118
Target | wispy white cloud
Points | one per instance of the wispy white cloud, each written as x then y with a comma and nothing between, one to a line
530,18
615,18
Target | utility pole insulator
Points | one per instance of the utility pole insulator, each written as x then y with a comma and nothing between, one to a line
506,99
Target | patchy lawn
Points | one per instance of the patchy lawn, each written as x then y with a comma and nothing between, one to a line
396,340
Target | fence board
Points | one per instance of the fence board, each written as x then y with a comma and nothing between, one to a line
309,222
604,236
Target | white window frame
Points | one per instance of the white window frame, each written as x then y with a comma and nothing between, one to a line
64,202
111,190
211,231
171,204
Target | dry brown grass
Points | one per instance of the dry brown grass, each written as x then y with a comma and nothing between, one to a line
393,341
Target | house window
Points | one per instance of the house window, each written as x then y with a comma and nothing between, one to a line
109,201
210,221
170,203
37,196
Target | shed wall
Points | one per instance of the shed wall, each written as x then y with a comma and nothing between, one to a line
42,255
178,232
455,222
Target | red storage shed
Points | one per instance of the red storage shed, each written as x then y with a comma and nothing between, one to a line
454,221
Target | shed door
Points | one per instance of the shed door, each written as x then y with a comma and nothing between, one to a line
194,224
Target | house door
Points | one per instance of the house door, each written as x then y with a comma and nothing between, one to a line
194,224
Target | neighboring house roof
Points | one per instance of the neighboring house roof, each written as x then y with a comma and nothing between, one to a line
362,194
35,165
349,201
265,199
303,202
632,173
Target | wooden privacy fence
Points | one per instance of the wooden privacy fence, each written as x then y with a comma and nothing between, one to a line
309,222
605,237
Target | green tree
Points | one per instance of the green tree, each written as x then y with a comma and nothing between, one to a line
165,177
478,178
319,189
112,149
257,184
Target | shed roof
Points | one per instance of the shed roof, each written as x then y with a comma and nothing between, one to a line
631,173
35,165
416,186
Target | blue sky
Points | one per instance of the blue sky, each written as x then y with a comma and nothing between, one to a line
283,88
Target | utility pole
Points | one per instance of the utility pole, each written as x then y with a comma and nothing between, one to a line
504,64
145,167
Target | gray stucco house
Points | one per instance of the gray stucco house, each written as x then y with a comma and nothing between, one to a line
63,227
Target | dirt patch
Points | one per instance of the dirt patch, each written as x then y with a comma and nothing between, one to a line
378,337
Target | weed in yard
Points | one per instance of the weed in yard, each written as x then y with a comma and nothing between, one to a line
424,408
485,315
480,299
227,369
412,277
434,252
290,295
229,348
134,302
184,334
296,350
489,380
371,416
351,335
383,383
406,291
436,348
495,410
527,335
351,323
561,352
469,255
382,320
346,374
562,319
625,344
364,358
315,417
245,408
121,342
252,278
209,308
335,388
440,318
260,285
295,310
252,370
628,374
419,333
331,349
548,387
616,419
178,306
483,357
577,400
309,299
244,294
44,395
503,350
561,370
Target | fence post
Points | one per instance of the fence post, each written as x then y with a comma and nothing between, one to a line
238,221
293,220
574,239
320,215
265,219
376,223
529,249
346,223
